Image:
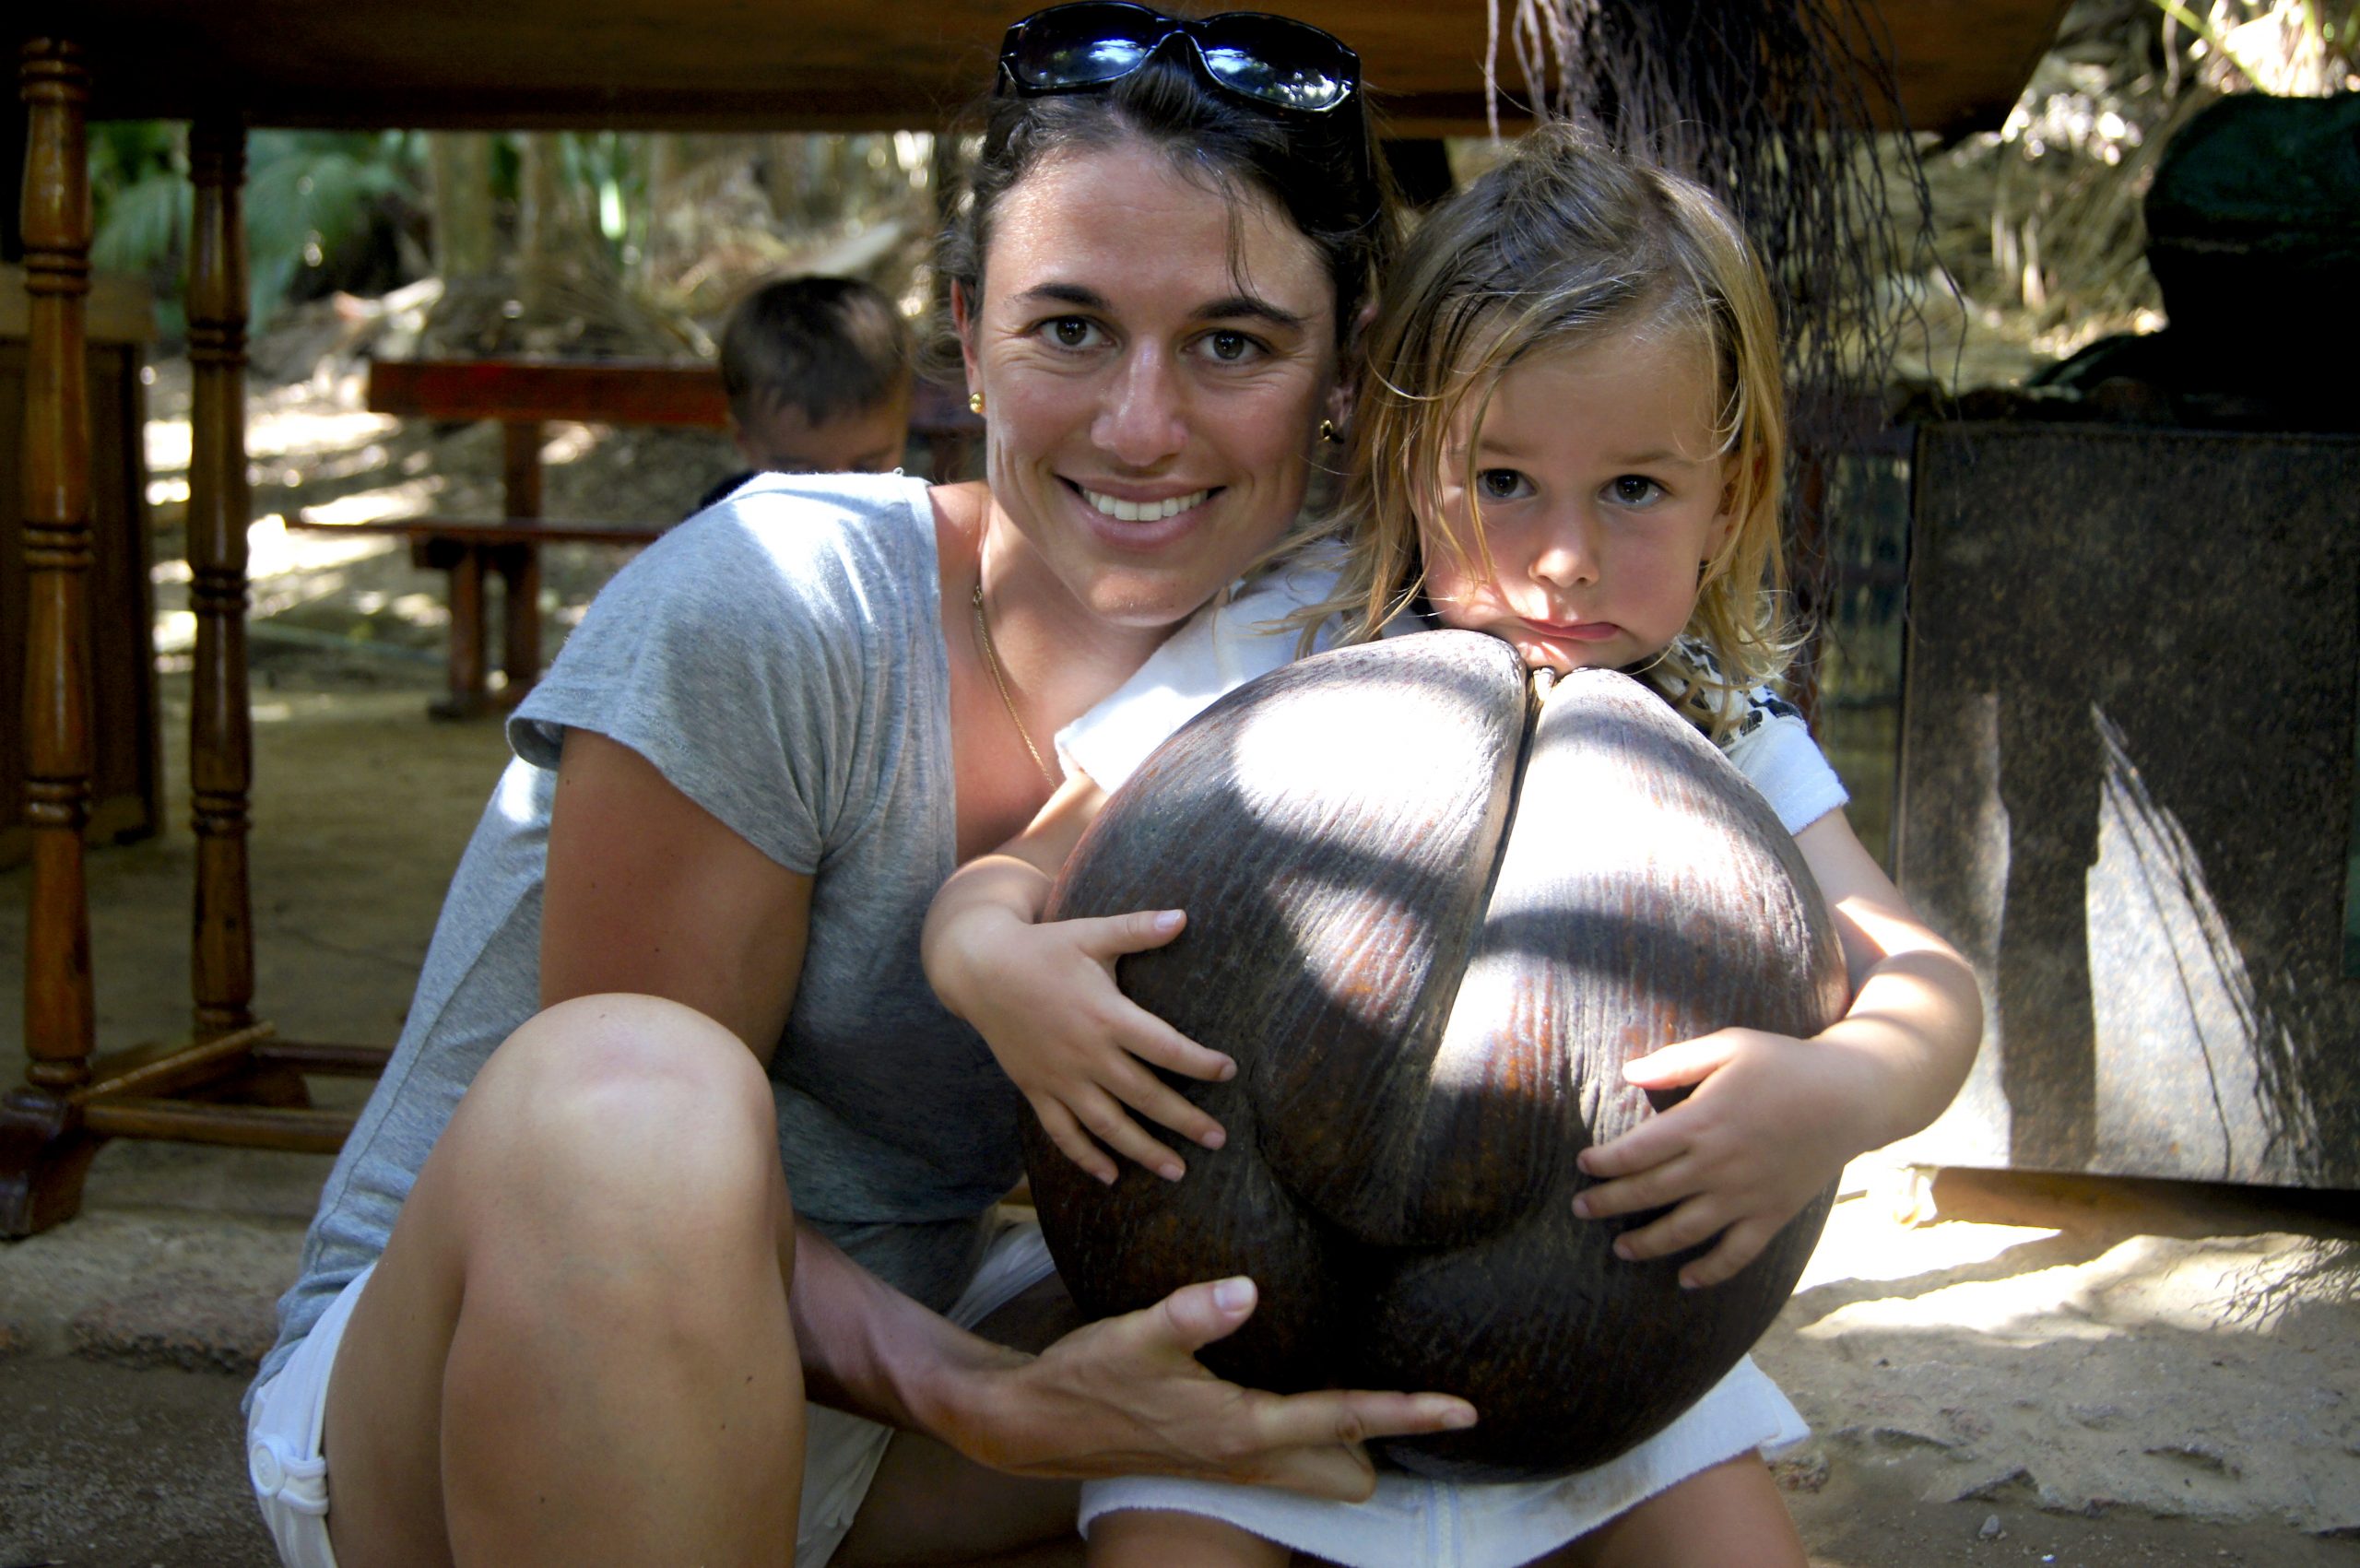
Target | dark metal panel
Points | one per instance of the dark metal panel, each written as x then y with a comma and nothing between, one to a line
2126,792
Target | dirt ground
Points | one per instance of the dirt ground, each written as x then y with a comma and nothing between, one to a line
1998,1369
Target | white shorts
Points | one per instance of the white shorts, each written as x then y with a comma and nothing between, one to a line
840,1452
1415,1522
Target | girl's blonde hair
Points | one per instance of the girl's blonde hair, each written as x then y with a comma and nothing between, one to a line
1565,243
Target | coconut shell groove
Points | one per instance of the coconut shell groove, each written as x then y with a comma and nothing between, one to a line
1431,920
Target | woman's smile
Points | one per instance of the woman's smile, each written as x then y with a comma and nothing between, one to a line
1155,353
1141,509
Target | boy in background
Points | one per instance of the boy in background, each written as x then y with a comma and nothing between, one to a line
819,375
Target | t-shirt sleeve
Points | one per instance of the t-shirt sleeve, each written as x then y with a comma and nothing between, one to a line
1222,646
740,654
1779,757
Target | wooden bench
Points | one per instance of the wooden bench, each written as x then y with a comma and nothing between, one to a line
525,397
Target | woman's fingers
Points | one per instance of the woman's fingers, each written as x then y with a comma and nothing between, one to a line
1126,1396
1306,1443
1111,935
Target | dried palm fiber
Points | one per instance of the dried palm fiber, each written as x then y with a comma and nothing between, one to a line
1771,104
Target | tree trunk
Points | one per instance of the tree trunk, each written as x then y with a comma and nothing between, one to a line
459,186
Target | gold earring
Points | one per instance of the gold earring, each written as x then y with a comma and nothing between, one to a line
975,403
1329,433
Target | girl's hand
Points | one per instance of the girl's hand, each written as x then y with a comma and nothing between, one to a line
1043,998
1769,1125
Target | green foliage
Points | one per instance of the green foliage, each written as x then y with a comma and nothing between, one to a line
310,197
311,194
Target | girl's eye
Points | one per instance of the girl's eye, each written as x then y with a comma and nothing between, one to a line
1633,490
1500,484
1072,331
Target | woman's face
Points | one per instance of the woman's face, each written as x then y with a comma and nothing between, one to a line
1156,357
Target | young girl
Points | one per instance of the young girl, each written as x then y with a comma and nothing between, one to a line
1570,439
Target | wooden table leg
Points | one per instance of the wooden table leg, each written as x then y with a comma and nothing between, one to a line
220,507
43,1151
468,696
520,566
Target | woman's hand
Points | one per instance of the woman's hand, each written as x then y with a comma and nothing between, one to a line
1770,1124
1044,997
1126,1396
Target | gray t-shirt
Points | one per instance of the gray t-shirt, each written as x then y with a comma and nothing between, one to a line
780,659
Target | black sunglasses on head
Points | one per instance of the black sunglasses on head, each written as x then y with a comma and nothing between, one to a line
1273,60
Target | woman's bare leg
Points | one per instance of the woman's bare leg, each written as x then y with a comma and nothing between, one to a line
577,1348
928,1504
1728,1516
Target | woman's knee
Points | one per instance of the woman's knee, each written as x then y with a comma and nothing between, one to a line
614,1110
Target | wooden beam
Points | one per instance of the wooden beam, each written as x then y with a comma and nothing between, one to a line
291,1130
612,391
833,64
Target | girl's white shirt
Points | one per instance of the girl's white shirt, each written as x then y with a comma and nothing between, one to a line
1248,632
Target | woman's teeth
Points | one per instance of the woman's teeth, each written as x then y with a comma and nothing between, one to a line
1143,510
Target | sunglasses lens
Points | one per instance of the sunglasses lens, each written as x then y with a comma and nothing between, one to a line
1277,60
1075,62
1308,88
1082,45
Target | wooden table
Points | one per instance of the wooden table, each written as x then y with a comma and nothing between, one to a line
712,65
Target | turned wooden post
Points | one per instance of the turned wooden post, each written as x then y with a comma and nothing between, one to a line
219,507
60,1016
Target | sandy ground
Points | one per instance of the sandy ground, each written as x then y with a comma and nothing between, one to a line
1999,1369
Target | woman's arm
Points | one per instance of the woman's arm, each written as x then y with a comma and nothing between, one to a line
649,892
1044,997
1774,1119
1125,1396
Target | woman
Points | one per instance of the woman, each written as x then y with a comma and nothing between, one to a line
583,1298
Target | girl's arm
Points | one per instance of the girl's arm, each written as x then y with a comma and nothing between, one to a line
1774,1119
1044,997
649,892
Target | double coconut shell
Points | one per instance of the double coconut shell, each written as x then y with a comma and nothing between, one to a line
1431,916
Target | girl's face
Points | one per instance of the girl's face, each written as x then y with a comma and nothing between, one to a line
1155,359
1601,485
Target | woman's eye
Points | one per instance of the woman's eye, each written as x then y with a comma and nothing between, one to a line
1072,331
1230,347
1633,490
1500,484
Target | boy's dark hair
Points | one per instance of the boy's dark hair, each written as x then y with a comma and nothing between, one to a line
830,346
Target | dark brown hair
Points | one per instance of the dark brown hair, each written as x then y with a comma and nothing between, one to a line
827,346
1323,172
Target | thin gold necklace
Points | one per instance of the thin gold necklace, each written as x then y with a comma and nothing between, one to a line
991,662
